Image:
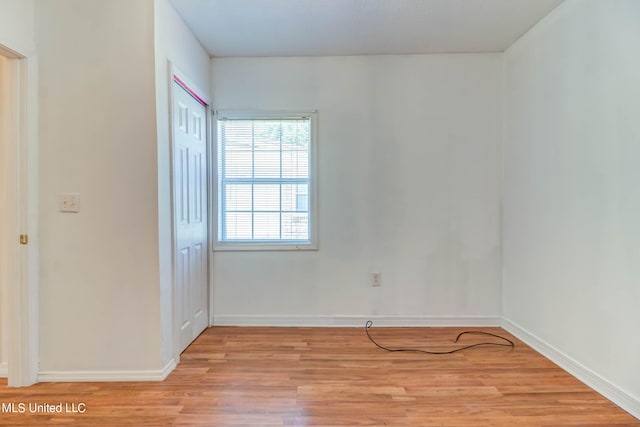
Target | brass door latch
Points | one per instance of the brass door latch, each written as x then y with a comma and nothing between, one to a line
24,239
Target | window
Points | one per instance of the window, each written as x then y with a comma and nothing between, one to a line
266,186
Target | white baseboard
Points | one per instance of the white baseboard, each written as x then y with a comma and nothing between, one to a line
626,401
107,376
355,321
4,370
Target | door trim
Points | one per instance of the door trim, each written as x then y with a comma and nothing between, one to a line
21,277
180,78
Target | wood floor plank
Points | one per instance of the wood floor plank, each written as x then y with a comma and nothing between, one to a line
259,376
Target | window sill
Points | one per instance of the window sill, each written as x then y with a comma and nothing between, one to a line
232,246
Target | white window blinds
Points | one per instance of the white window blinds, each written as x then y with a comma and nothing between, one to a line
264,180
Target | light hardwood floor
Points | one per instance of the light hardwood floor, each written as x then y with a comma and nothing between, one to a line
251,376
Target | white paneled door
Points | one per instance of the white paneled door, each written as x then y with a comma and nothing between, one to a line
190,215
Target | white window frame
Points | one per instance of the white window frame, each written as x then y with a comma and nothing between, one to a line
219,245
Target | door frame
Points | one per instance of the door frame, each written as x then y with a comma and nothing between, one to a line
21,278
195,90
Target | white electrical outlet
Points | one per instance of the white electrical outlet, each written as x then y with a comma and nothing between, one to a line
375,279
69,202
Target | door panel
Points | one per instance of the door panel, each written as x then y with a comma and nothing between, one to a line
190,213
182,181
183,273
199,296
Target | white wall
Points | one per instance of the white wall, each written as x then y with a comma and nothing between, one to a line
571,187
173,42
409,167
17,25
99,300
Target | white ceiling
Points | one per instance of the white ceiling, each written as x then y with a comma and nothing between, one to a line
358,27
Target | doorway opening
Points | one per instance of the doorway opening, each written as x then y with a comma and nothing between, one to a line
18,190
190,176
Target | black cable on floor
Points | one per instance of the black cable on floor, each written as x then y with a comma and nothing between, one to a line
511,344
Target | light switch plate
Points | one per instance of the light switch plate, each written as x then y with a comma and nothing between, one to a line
69,202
